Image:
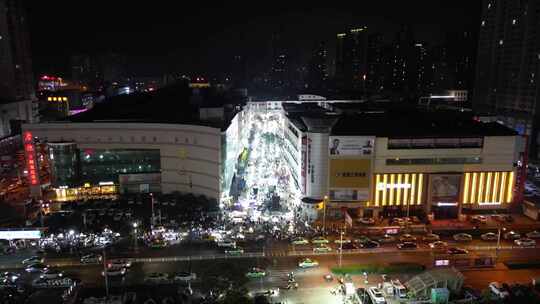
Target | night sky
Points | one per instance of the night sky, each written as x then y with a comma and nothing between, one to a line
202,36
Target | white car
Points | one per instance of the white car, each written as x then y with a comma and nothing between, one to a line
33,260
114,272
511,235
308,263
490,236
342,241
462,237
438,245
431,237
322,248
366,221
319,240
157,278
387,239
479,219
227,243
407,238
533,234
300,241
51,274
91,258
525,242
185,276
497,289
376,295
121,263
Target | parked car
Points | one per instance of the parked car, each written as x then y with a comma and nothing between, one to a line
227,243
370,245
362,239
376,295
511,235
340,241
533,234
33,260
157,278
525,242
456,250
407,246
300,241
462,237
431,237
185,276
479,219
308,263
489,236
10,277
255,273
234,251
497,289
37,267
322,248
366,221
387,239
348,246
91,258
319,240
114,272
407,238
438,245
121,263
51,274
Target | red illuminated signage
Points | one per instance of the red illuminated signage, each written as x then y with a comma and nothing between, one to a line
31,163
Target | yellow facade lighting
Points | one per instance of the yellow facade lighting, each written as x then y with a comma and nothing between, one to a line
377,181
495,193
480,188
413,189
391,190
406,190
466,188
398,190
488,187
473,187
510,188
64,98
502,191
49,98
420,180
54,98
385,176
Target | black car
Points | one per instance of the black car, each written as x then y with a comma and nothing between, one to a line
370,245
407,246
456,250
348,246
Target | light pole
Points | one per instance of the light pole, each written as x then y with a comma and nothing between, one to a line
324,214
499,241
341,247
152,201
135,225
105,273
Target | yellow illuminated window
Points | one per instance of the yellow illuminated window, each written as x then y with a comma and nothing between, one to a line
385,176
419,200
377,180
473,187
488,187
413,189
466,189
510,188
64,98
398,190
480,188
49,98
54,98
391,190
406,190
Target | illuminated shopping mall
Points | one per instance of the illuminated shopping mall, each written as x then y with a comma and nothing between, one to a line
363,157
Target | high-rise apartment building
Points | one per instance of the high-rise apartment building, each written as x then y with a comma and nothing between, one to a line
16,79
508,65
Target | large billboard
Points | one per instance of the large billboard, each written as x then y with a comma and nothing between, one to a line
349,173
20,234
351,145
445,188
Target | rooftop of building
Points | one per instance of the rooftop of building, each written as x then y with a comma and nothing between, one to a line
390,120
175,104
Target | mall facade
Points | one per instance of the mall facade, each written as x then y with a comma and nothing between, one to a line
373,161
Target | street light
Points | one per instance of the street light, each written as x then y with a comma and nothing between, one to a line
341,247
152,200
324,214
499,241
135,225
